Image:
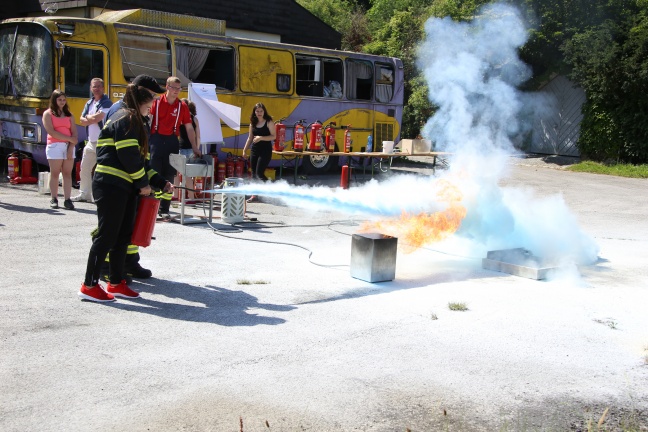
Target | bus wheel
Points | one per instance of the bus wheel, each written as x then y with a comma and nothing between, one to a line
319,164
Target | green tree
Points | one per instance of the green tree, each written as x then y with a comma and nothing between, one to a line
335,13
347,17
399,38
610,61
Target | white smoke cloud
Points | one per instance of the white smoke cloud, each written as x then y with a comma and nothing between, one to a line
473,70
407,194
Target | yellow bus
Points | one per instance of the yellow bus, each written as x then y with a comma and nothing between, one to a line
295,82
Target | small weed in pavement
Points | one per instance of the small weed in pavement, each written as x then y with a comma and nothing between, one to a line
249,282
458,306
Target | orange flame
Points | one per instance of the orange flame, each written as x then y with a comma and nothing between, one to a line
415,231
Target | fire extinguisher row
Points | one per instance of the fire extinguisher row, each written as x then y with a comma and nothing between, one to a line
315,141
232,166
18,163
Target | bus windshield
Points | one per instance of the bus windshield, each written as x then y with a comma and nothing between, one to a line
25,61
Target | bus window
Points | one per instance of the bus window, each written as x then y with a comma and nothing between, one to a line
359,79
80,66
319,76
384,82
208,65
283,82
26,61
145,55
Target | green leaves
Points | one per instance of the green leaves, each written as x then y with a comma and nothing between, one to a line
602,44
610,61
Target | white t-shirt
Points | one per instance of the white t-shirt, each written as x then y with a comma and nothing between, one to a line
93,129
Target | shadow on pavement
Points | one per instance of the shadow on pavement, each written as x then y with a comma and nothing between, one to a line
208,304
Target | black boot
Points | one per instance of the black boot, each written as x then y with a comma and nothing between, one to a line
134,269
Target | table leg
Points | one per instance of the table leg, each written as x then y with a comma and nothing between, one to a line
183,184
281,167
349,171
296,167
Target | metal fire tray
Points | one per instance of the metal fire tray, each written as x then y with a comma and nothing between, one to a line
193,167
518,262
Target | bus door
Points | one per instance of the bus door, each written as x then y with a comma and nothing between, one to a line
78,64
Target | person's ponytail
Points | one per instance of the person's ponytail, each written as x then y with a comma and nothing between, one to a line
134,97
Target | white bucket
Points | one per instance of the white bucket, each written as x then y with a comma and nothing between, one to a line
388,147
43,182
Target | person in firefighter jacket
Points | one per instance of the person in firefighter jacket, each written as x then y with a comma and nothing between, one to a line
122,173
133,267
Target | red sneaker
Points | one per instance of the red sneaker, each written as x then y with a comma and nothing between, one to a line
95,294
121,290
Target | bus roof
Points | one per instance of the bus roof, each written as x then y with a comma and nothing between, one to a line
165,20
186,26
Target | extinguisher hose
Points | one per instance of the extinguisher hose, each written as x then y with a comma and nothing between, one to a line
195,190
186,188
238,228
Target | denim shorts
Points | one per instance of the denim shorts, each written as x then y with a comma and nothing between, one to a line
186,152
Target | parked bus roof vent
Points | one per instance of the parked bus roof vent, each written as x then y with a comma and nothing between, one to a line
65,28
165,20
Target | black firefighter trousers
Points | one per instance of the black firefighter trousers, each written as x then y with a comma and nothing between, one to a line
116,211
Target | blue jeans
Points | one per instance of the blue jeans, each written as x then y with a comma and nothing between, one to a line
186,153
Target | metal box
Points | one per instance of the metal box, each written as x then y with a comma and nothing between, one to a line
412,146
373,257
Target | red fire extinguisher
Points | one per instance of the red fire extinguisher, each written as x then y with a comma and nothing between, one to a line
298,136
147,211
220,172
315,143
13,165
229,166
199,186
280,132
177,193
239,167
20,170
329,134
347,139
26,166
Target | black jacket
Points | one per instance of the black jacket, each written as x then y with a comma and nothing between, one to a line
119,161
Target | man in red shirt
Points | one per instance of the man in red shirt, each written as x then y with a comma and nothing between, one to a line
169,113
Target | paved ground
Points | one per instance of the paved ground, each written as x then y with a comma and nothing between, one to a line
243,331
